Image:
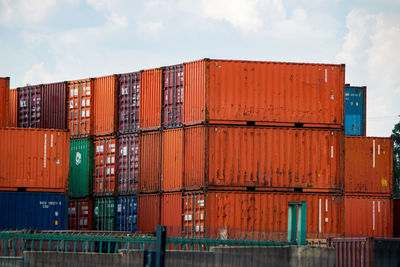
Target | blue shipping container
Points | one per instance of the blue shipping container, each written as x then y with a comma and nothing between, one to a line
355,110
126,214
33,210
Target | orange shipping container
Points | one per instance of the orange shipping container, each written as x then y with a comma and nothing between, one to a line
368,165
104,166
171,213
13,106
80,115
4,99
150,99
274,93
34,159
368,216
105,105
255,215
150,161
266,157
172,160
148,212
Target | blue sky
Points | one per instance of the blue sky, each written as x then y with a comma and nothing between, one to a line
51,40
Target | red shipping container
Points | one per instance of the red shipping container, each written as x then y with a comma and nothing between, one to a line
172,160
105,105
80,114
149,207
129,99
396,217
273,93
80,214
256,215
172,91
54,106
150,99
128,163
150,161
13,108
29,106
263,157
368,165
34,160
368,216
104,166
4,101
171,213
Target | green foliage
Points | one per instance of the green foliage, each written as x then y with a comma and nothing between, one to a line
396,160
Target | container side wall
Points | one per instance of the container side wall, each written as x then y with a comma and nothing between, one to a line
80,214
150,162
13,110
172,93
128,163
148,212
105,105
104,166
171,213
150,99
104,214
172,160
81,168
194,157
54,106
126,214
29,106
128,103
4,101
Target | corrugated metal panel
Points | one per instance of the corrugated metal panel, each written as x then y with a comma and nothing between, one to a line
104,214
105,105
104,166
369,165
150,99
172,91
126,214
34,159
128,163
29,106
263,157
80,214
148,212
150,162
80,114
172,160
54,106
270,92
355,110
171,213
254,215
368,216
33,210
129,99
13,108
81,168
396,217
4,101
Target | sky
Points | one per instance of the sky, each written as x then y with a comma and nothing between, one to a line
52,40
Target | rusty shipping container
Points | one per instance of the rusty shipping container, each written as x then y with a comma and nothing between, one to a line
105,105
128,104
149,207
273,93
263,157
54,106
368,216
172,160
104,166
80,114
368,165
172,91
128,163
4,101
150,161
251,215
29,106
150,99
34,160
80,214
13,107
366,251
171,213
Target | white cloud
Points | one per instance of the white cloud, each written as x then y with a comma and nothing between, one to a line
37,75
25,11
150,28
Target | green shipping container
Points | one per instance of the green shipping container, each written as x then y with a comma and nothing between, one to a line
80,168
104,212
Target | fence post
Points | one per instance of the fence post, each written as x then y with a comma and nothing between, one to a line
160,245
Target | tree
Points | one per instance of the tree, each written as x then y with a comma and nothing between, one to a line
396,160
